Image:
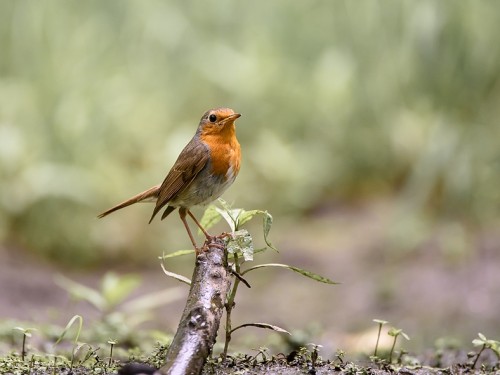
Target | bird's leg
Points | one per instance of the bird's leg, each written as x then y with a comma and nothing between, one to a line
210,239
182,214
207,235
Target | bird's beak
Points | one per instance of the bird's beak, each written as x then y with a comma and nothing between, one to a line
232,117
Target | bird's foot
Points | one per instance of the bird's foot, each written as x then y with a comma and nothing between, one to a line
211,241
223,235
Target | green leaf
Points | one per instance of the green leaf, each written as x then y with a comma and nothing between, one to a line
267,223
153,300
262,325
492,343
182,279
231,215
26,331
176,254
482,337
478,342
394,332
226,206
261,250
235,218
81,292
227,216
305,273
79,347
210,218
241,242
495,346
382,322
245,216
68,326
116,288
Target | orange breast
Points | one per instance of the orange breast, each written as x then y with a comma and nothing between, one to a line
225,152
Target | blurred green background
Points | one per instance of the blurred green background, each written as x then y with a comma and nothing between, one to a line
344,104
341,101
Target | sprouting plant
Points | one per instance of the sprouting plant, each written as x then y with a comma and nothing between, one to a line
314,356
263,352
111,343
380,324
402,353
79,319
396,332
110,298
54,365
26,333
485,343
114,289
240,249
339,356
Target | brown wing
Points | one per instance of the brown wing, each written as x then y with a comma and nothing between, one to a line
189,163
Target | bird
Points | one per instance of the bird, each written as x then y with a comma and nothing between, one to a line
204,169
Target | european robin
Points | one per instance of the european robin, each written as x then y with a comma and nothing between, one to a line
205,168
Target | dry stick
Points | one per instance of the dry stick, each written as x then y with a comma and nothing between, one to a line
197,331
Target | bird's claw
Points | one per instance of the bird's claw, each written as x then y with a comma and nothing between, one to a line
211,241
223,235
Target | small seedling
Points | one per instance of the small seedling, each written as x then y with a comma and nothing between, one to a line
484,343
396,332
380,324
339,356
240,249
114,290
26,333
314,356
112,343
263,352
402,352
121,315
79,319
32,360
91,352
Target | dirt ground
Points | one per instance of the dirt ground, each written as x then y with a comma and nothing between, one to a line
430,289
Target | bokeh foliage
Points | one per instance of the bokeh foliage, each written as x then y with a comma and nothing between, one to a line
341,100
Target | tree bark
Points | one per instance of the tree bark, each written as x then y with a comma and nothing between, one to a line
197,331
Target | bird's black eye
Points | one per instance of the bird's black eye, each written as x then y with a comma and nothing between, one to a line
212,118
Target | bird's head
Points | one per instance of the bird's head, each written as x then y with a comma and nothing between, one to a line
218,120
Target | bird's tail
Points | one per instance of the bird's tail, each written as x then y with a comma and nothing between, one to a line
149,195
